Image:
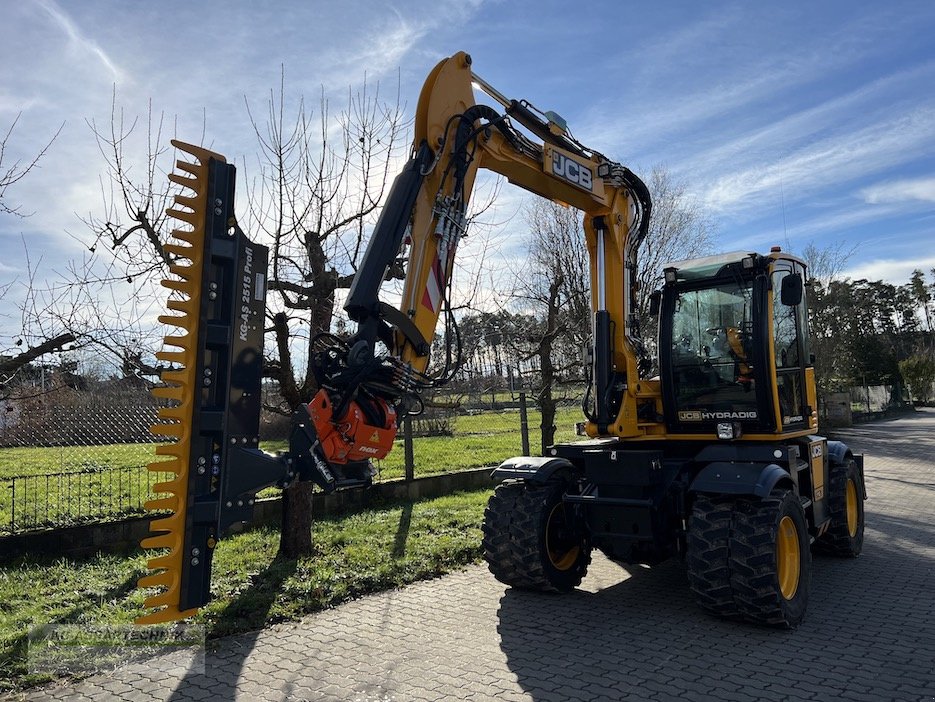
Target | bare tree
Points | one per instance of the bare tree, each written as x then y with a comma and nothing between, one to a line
35,338
557,289
13,173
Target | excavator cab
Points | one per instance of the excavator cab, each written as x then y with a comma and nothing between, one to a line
733,346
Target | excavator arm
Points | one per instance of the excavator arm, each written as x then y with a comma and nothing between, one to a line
369,381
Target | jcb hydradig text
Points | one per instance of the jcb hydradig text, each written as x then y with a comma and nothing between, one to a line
717,460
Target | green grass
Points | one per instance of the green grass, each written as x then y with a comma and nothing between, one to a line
378,549
56,459
478,440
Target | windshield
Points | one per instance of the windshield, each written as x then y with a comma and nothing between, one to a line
712,357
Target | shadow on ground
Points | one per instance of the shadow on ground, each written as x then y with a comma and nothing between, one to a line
870,628
225,658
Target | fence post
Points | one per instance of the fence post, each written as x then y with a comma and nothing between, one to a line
13,505
524,423
407,445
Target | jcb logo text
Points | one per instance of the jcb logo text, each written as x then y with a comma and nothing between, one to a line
564,167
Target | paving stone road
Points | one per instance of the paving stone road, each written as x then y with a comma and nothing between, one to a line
626,635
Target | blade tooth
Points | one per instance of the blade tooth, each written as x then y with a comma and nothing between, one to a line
167,430
185,286
161,503
182,305
186,201
183,321
190,217
163,616
180,341
193,168
181,271
173,450
199,152
162,599
193,237
175,486
184,181
165,466
186,234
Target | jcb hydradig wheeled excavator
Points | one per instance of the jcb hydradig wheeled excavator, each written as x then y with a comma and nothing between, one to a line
716,460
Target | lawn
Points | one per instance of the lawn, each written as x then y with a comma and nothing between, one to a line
477,440
356,554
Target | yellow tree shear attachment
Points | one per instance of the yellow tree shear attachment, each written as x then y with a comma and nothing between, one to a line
218,289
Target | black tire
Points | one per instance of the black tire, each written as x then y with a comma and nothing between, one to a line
708,554
845,536
527,542
770,559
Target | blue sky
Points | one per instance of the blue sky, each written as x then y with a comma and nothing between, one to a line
792,122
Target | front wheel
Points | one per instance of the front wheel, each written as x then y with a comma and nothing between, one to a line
531,540
770,559
845,536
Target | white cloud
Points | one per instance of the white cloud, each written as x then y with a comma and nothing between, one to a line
830,161
906,190
77,38
896,271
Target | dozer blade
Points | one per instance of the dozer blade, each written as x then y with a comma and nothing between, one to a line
212,392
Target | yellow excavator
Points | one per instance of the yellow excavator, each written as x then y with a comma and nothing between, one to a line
717,460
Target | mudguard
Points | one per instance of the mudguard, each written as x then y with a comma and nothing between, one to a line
739,478
838,453
531,469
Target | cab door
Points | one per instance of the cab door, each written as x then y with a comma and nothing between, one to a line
789,352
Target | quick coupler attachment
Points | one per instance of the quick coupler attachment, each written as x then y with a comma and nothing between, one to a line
218,279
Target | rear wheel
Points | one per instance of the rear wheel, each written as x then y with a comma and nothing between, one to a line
708,554
845,536
770,560
531,541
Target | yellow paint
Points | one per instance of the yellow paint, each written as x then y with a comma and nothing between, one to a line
788,558
853,514
559,557
816,458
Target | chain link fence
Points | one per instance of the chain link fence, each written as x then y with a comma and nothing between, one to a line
78,457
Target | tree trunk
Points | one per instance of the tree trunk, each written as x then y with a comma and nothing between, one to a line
295,536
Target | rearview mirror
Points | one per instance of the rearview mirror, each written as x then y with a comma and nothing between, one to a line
791,293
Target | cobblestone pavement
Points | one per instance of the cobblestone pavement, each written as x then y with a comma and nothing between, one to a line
626,635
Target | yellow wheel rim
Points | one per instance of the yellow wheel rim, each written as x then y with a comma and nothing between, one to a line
852,509
788,558
562,553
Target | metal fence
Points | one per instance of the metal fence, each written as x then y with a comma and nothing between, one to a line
63,474
75,497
